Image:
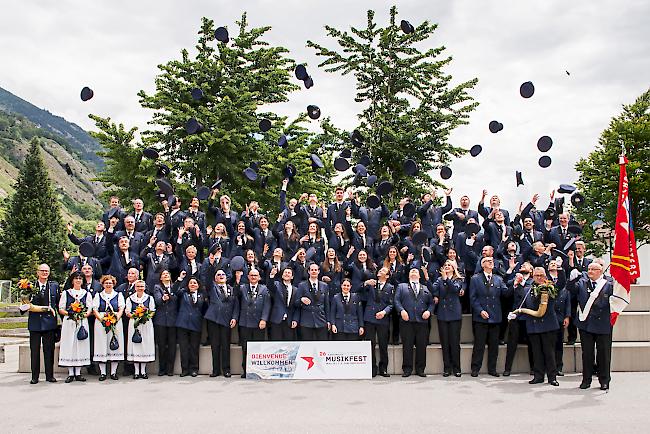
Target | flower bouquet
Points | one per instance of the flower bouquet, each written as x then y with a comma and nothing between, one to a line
108,321
77,313
548,287
140,315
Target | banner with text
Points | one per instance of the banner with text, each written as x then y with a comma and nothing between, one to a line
322,360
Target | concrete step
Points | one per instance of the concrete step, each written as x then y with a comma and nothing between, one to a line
13,319
639,299
626,356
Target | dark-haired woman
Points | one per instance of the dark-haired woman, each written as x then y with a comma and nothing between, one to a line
189,321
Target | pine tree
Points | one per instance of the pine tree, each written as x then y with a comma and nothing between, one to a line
411,104
32,223
240,82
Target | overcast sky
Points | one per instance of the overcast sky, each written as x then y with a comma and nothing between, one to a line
50,50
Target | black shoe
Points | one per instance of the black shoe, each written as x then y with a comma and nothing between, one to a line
406,374
584,385
102,377
114,377
214,374
144,376
243,375
136,376
604,386
51,380
422,374
560,374
69,379
506,373
33,381
494,374
384,374
554,383
79,378
474,374
170,374
162,373
457,374
194,374
227,374
446,374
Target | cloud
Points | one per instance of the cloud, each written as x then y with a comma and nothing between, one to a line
53,49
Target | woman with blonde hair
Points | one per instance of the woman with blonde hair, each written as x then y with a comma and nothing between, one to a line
108,345
447,290
142,347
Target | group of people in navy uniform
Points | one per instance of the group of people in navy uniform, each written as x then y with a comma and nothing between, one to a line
348,271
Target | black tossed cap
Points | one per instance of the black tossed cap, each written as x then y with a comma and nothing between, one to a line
313,111
163,171
87,249
544,161
237,263
526,90
282,141
365,160
203,192
445,172
566,189
550,213
544,143
495,126
384,188
373,201
406,27
160,195
255,165
265,125
150,153
87,93
370,181
192,126
472,228
250,174
309,82
346,153
476,149
341,164
316,162
165,186
410,167
574,228
289,171
221,35
301,72
360,170
197,94
577,200
409,210
520,180
356,137
419,238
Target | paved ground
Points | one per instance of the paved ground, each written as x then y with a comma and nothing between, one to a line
432,404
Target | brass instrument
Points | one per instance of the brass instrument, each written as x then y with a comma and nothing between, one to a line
541,310
35,308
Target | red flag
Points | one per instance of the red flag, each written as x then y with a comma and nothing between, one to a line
625,264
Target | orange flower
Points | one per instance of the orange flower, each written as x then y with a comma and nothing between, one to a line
76,307
24,284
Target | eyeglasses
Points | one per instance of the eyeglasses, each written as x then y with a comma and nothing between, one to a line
220,274
43,271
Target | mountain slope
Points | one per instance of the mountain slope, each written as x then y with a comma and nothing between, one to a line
77,191
78,140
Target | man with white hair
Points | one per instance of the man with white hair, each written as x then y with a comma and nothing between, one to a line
593,321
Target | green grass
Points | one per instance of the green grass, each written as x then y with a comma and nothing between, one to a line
13,325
